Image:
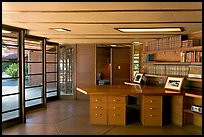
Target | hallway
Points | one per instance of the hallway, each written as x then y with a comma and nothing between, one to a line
71,117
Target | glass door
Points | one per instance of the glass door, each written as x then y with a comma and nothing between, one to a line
10,77
33,52
66,70
12,74
51,71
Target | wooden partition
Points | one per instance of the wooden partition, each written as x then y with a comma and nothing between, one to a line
85,66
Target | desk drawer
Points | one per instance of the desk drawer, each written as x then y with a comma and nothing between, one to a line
98,117
152,99
116,106
94,98
117,99
117,117
153,107
152,119
98,105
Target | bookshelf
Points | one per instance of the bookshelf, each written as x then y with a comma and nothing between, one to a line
175,56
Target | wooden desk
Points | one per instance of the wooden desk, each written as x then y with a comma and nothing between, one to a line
108,104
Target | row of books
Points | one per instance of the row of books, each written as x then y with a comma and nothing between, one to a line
191,56
163,43
172,42
167,70
190,43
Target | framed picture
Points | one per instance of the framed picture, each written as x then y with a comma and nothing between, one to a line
174,83
138,77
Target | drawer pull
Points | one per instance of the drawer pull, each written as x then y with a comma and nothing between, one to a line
116,115
115,100
98,114
115,107
98,99
151,101
150,115
98,107
151,108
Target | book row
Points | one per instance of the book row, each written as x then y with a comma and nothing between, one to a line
191,56
167,70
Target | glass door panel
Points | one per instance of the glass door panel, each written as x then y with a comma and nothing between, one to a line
66,71
10,77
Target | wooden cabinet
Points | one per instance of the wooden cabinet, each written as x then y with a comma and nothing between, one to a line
151,112
117,110
98,110
190,117
107,110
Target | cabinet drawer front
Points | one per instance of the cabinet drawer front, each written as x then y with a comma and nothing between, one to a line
152,99
98,98
117,99
98,117
153,113
152,120
116,118
98,105
116,106
153,107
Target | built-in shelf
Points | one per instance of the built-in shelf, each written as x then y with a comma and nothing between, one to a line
159,76
193,95
194,48
173,63
191,112
194,79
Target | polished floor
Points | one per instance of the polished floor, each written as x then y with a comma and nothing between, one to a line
71,117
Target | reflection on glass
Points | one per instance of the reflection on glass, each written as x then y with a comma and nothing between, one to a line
51,77
51,67
10,102
51,86
51,57
31,93
51,94
10,115
9,86
33,102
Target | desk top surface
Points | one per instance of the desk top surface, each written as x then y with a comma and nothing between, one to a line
156,90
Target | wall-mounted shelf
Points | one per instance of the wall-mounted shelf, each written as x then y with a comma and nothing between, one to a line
193,95
194,79
191,112
173,63
177,50
158,76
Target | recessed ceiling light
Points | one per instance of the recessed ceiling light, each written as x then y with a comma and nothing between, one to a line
60,29
168,29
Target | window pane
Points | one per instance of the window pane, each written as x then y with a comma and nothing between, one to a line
33,56
10,102
31,93
51,67
34,80
10,115
9,86
31,44
51,57
34,68
51,77
51,86
33,102
51,94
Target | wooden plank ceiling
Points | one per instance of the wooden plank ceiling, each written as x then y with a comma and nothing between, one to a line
94,22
